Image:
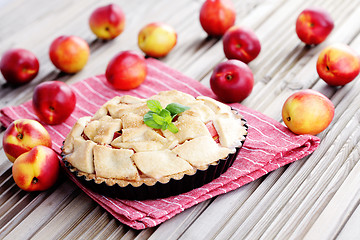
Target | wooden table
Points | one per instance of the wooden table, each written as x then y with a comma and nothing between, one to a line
314,198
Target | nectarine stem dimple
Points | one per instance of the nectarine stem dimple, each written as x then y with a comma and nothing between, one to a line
327,68
20,136
288,119
228,77
34,180
52,108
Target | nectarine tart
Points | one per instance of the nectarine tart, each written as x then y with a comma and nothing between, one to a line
167,144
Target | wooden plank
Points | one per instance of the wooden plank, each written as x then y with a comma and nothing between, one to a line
108,230
338,210
351,228
145,234
71,215
216,216
240,220
175,227
100,220
321,192
5,182
118,232
5,164
97,219
30,221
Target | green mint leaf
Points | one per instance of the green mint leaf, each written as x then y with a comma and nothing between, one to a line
165,126
172,128
149,120
148,116
154,105
158,119
153,124
166,115
176,108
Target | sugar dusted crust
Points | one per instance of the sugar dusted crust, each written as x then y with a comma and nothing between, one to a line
116,147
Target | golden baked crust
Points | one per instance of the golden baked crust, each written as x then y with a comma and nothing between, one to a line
115,146
201,151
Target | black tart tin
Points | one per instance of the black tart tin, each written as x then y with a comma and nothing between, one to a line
159,190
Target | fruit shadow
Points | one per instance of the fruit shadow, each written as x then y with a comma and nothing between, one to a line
208,41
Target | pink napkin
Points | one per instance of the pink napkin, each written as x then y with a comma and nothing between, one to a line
269,145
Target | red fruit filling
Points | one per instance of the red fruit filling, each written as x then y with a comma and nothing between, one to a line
117,134
212,130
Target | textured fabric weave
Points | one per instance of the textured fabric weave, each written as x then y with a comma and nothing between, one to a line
269,145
